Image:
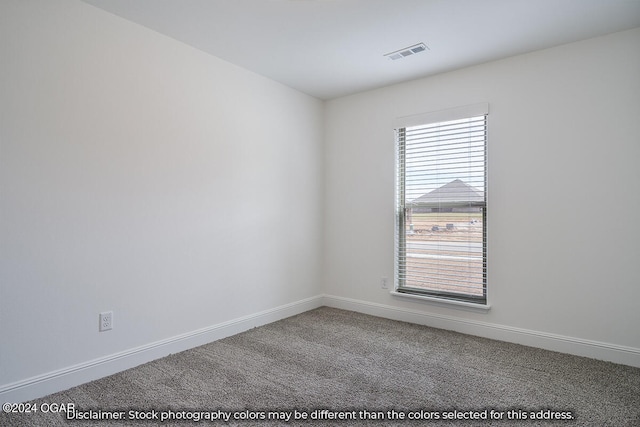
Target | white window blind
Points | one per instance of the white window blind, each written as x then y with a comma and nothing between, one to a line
441,208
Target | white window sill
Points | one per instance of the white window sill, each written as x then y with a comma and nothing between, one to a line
482,307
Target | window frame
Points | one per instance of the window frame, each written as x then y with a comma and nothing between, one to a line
401,125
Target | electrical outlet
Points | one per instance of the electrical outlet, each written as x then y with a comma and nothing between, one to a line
384,283
106,321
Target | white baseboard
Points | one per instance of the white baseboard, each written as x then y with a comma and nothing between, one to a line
72,376
51,382
564,344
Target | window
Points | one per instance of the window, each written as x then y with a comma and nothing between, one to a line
442,205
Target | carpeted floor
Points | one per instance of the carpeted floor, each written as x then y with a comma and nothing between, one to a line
316,367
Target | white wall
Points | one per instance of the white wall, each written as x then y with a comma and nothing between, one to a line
564,197
142,176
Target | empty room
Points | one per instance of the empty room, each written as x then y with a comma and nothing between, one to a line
323,212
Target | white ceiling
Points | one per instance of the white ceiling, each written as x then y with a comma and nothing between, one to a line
331,48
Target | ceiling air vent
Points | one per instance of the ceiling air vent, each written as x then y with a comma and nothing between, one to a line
407,51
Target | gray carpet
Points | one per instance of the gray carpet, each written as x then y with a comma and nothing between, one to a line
347,363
